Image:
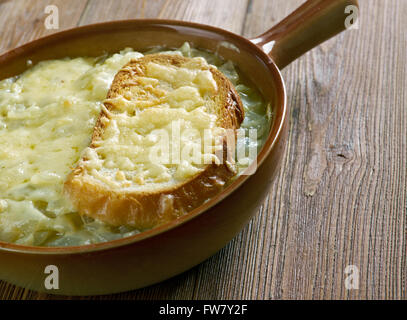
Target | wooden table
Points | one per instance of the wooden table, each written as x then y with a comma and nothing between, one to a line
340,198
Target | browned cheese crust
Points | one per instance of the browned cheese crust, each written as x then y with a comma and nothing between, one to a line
145,210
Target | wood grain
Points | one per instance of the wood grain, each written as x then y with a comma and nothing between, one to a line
341,196
22,21
197,11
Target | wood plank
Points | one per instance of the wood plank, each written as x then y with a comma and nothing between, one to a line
22,22
340,199
227,14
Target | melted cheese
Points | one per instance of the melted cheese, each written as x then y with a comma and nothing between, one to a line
159,146
47,116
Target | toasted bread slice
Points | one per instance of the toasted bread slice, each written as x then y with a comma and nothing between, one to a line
118,182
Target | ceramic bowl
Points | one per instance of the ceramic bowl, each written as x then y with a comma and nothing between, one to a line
170,249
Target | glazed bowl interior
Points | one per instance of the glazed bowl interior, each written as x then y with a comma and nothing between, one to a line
98,39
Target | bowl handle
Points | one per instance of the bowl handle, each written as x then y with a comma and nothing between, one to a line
308,26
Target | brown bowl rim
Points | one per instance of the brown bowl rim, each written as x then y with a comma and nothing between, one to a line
262,155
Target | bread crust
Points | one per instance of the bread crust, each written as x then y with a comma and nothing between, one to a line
144,210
